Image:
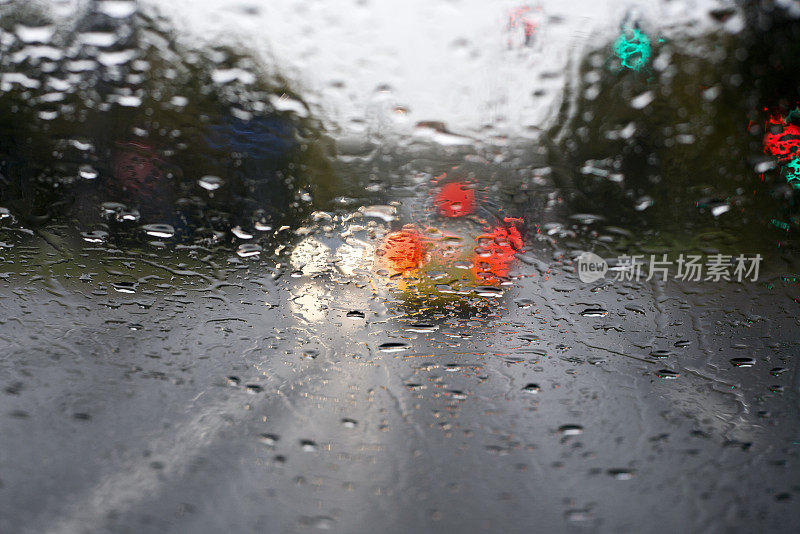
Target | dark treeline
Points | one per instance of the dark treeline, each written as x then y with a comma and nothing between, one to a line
111,121
661,150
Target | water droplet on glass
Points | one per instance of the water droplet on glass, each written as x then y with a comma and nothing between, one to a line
34,34
594,312
489,291
621,474
320,522
393,347
87,172
660,354
268,439
125,287
241,234
349,423
117,8
307,445
94,236
422,328
128,215
570,430
210,183
162,231
248,250
385,213
667,374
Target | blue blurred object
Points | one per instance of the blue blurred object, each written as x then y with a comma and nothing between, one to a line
253,158
259,137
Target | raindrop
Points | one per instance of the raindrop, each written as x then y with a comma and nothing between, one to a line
489,291
163,231
94,236
117,8
578,516
667,374
355,314
621,474
719,209
210,183
125,287
422,328
87,172
636,308
241,234
248,250
34,34
386,213
643,203
107,209
587,218
99,39
224,76
393,347
643,100
284,103
349,423
321,522
268,439
594,312
126,215
254,388
570,430
307,445
742,362
130,101
531,388
179,101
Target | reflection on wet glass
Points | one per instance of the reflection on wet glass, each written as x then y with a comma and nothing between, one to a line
440,267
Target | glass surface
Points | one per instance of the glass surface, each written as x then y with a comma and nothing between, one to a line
422,266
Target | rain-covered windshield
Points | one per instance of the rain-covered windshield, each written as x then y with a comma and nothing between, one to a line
422,266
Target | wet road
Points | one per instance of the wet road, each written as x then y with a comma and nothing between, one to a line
234,408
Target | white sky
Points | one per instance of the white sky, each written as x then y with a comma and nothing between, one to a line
445,60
